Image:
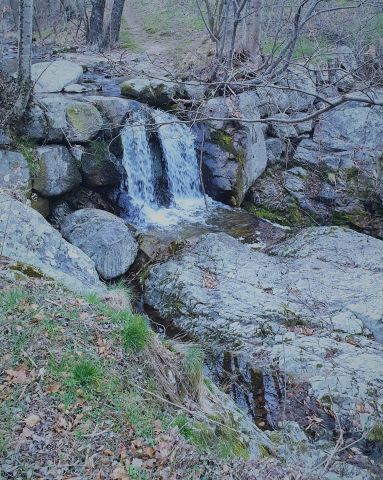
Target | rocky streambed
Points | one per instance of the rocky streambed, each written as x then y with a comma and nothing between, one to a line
290,316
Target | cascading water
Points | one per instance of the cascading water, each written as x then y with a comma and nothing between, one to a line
149,156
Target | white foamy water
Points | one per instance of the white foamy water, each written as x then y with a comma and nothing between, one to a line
179,164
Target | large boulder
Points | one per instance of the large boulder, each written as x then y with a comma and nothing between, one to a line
234,152
104,237
57,118
294,308
14,173
57,172
349,138
28,239
157,93
50,77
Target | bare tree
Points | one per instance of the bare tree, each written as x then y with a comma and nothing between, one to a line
25,42
253,35
96,22
112,32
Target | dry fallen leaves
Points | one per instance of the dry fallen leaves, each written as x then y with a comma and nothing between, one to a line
20,376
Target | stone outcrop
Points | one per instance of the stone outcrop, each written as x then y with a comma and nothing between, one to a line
104,238
311,306
29,240
50,77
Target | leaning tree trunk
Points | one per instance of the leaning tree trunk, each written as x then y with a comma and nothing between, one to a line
25,42
113,30
96,22
254,30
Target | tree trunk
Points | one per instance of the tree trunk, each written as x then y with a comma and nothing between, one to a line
96,22
113,31
254,30
25,41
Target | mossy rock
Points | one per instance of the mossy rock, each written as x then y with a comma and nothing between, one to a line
84,121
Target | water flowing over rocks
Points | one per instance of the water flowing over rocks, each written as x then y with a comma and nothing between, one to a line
311,306
50,77
104,238
29,240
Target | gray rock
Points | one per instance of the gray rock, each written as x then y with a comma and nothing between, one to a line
14,173
57,118
5,139
100,167
27,238
258,303
50,77
115,109
234,156
342,68
281,130
274,149
57,171
104,237
154,92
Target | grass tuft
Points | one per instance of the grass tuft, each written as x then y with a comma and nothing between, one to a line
135,333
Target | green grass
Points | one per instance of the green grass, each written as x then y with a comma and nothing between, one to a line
86,372
11,300
135,333
27,147
127,40
193,365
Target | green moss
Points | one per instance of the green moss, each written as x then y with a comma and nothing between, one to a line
224,141
27,270
264,451
376,433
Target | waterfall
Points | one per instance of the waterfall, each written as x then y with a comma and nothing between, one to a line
182,167
156,159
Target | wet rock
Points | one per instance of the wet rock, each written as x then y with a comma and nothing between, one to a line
27,238
157,93
76,200
14,173
50,77
115,109
83,88
282,308
100,167
57,171
104,238
234,156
